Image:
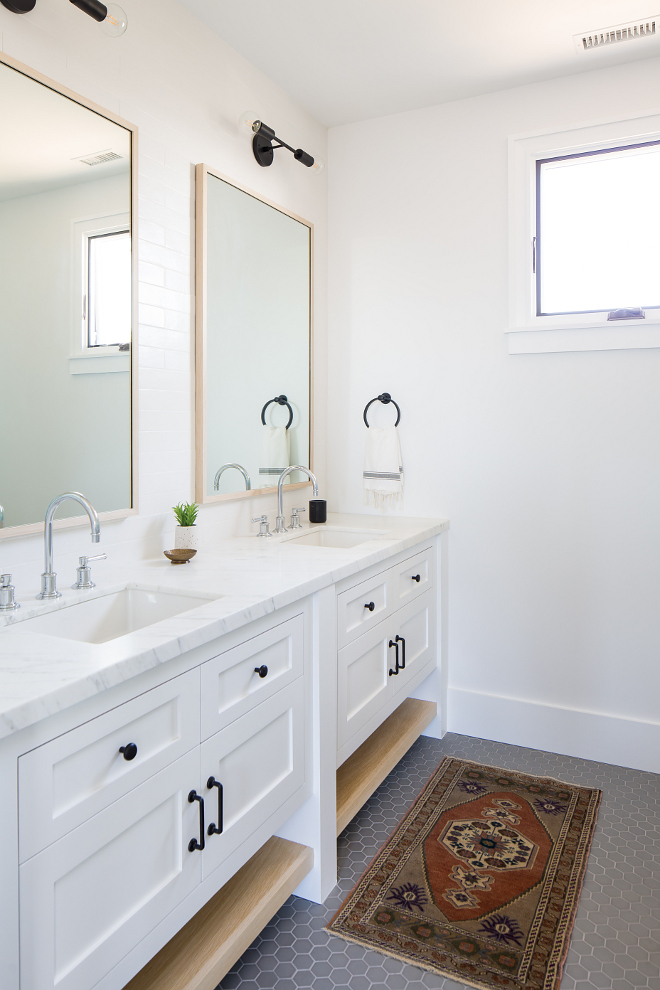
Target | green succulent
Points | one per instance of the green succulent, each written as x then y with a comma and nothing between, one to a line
186,513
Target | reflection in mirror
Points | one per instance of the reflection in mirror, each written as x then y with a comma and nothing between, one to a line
253,341
65,302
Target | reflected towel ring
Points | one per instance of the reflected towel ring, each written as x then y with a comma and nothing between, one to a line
282,401
384,398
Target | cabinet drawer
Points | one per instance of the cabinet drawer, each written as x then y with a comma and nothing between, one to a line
69,779
405,583
260,762
231,685
354,613
87,900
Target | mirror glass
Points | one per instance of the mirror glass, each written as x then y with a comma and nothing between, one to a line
65,303
255,342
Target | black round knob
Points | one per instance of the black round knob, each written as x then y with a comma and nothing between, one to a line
130,751
417,577
370,606
262,671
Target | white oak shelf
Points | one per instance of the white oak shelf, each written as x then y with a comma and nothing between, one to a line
206,948
369,765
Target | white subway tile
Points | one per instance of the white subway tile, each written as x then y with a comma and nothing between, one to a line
151,315
153,399
153,274
155,378
150,357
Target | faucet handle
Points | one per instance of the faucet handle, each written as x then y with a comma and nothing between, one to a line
295,519
7,601
83,561
84,572
263,525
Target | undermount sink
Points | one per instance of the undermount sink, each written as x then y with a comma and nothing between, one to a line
108,617
340,539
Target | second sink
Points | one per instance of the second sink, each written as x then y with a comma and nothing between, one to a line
107,617
341,539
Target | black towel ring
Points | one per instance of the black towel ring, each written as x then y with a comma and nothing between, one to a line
384,398
282,401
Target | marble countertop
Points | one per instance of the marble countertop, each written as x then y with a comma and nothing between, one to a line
242,578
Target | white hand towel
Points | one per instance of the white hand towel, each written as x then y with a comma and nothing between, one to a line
275,454
383,468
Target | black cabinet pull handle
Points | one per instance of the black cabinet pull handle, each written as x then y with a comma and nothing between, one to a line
417,577
129,751
262,671
216,829
401,640
396,665
194,844
370,605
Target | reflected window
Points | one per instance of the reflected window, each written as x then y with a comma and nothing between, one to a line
108,289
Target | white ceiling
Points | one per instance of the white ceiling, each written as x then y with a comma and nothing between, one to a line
43,133
346,60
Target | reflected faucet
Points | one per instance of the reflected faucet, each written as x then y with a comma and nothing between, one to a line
279,525
2,516
239,467
49,578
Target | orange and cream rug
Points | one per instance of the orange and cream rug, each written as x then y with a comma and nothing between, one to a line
480,881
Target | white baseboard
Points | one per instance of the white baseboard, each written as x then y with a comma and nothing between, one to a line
624,742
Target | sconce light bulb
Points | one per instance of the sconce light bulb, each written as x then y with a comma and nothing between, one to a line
318,166
115,22
247,121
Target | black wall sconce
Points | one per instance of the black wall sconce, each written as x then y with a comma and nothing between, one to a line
112,18
262,143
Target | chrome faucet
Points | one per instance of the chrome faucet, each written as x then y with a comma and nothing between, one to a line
49,578
239,467
279,524
2,517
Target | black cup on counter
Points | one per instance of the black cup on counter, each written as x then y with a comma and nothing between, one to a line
318,510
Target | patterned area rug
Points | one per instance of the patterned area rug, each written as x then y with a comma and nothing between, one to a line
480,881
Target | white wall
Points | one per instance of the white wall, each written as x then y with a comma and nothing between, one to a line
548,466
184,88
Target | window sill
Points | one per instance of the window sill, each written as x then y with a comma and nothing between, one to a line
550,340
99,364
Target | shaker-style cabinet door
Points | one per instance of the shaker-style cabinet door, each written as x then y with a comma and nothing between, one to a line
363,680
89,898
250,769
414,631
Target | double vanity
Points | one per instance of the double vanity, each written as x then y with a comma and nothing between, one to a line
179,746
160,729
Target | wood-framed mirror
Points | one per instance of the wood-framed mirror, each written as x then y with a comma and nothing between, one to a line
68,277
253,341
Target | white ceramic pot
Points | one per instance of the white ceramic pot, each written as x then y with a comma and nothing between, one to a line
185,538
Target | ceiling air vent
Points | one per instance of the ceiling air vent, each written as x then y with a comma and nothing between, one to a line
100,158
631,31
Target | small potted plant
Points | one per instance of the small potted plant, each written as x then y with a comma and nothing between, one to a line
185,536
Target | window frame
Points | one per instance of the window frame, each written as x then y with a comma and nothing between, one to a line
103,358
528,331
91,236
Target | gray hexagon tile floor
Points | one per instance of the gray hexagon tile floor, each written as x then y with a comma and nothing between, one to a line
616,939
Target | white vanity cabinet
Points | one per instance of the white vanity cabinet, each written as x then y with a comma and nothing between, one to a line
259,762
384,651
128,810
112,842
93,895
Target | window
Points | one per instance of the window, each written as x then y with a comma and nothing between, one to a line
108,296
584,257
101,292
597,218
